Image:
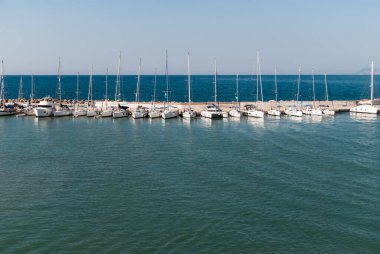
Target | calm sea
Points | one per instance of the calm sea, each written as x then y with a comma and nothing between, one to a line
341,87
286,185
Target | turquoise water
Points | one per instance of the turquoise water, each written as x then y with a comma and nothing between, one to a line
153,186
341,87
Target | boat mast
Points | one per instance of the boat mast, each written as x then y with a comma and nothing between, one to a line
89,98
257,80
154,88
32,88
77,86
372,83
106,87
215,84
327,92
2,85
138,83
275,84
237,92
261,86
20,90
188,79
167,80
59,92
117,90
298,84
313,89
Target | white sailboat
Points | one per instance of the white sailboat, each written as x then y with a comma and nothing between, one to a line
107,111
91,109
312,110
61,110
365,108
189,113
120,111
78,110
236,112
294,110
139,112
326,110
256,112
5,109
154,112
214,111
29,109
169,111
274,111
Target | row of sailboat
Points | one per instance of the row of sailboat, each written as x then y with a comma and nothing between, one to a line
48,107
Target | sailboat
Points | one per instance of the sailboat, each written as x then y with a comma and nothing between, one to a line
61,110
275,111
20,97
365,108
256,112
327,110
78,110
139,112
236,112
312,110
189,113
107,111
294,110
154,112
214,111
120,111
29,111
91,109
5,109
169,111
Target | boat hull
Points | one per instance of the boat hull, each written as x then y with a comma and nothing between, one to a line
155,114
106,113
60,113
7,113
80,112
43,112
365,109
211,115
91,113
274,112
235,113
169,114
189,114
256,113
120,114
293,112
139,114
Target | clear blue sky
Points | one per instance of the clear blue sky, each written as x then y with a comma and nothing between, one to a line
328,36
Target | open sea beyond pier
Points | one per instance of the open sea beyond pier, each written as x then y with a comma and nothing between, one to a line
273,185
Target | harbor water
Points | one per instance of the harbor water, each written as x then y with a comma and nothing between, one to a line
278,185
341,87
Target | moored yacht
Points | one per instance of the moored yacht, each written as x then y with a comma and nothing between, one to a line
367,109
189,112
214,111
294,109
139,111
236,111
44,108
274,111
256,112
169,111
6,109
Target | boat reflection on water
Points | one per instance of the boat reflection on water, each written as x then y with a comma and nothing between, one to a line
363,117
256,122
